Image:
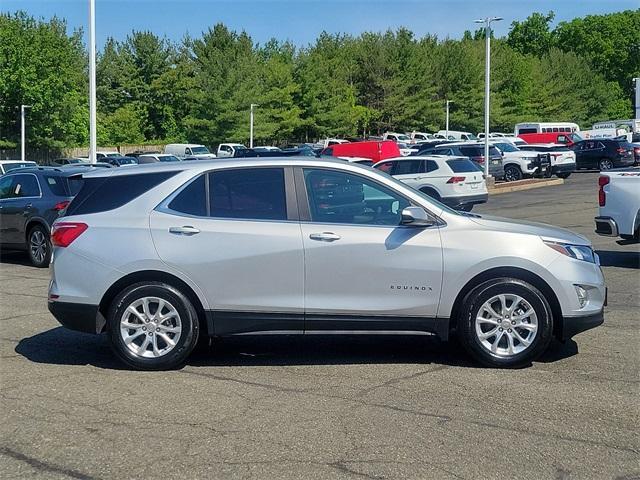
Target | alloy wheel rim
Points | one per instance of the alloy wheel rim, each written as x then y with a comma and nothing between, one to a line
150,327
38,246
606,165
511,175
506,325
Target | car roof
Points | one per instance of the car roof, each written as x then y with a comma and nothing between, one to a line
426,157
65,171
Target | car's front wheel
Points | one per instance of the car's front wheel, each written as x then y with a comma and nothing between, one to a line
152,326
505,322
512,173
39,246
564,175
605,164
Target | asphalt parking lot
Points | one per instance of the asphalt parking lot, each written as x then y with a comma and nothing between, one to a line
328,407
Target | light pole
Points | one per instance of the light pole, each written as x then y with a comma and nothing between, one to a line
92,82
251,124
447,119
22,131
487,82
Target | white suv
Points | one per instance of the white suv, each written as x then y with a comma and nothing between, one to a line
519,164
161,255
455,181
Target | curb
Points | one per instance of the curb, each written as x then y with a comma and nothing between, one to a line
528,184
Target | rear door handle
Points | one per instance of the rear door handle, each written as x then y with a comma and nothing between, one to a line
186,230
325,237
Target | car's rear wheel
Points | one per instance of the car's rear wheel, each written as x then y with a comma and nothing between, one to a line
431,192
605,164
39,246
506,322
152,326
564,175
512,173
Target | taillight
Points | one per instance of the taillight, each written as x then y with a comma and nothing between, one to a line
621,150
456,180
479,159
64,233
61,205
602,196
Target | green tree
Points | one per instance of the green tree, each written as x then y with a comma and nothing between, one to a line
532,35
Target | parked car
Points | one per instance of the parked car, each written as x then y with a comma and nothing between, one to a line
396,137
320,245
186,151
8,165
456,135
636,153
229,149
519,164
157,157
603,154
30,200
107,153
407,149
68,161
138,153
118,161
419,137
474,151
267,148
454,181
563,159
374,150
619,201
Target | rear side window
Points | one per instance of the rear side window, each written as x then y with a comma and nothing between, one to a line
471,151
431,166
192,200
101,194
462,165
386,167
56,185
248,193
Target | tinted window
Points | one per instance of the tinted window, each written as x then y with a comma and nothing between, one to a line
407,167
472,151
5,187
386,167
25,186
192,200
339,197
56,185
431,166
250,193
74,184
506,147
12,166
527,130
462,165
100,194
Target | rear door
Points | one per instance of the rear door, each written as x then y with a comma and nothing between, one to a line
235,233
408,171
363,270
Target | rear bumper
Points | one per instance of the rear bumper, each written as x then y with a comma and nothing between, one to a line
78,316
606,226
574,325
465,200
563,168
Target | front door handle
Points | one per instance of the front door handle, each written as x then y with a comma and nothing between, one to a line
325,237
186,230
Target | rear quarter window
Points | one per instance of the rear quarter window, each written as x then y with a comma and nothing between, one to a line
101,194
462,165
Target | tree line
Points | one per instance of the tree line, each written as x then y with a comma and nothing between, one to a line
152,90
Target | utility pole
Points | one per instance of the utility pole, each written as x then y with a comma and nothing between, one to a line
251,123
447,119
637,88
92,82
23,148
487,83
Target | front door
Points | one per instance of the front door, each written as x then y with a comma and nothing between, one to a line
232,233
363,270
16,206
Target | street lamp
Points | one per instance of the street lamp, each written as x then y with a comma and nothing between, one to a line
487,81
92,82
447,119
251,123
22,130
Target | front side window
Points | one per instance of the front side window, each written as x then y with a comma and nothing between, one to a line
5,187
340,197
248,193
25,186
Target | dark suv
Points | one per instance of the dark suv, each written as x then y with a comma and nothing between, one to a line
475,152
603,153
30,200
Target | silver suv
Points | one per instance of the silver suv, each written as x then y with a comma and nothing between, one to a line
162,255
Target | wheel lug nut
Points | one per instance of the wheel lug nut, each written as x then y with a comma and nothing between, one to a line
513,322
509,330
144,328
146,320
500,329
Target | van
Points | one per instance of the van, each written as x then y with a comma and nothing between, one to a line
189,150
565,138
376,151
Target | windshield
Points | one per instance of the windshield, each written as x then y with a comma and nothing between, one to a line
574,137
169,158
200,150
471,136
127,161
506,147
13,166
403,138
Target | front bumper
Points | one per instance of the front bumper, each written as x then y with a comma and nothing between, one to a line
454,202
78,316
606,226
574,325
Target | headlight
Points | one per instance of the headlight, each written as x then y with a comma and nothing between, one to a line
579,252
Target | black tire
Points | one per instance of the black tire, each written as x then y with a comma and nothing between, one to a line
605,164
39,246
512,173
431,192
471,309
564,175
187,314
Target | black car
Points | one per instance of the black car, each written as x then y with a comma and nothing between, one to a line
118,161
474,151
603,153
30,201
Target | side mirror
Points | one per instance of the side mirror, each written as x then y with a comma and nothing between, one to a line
416,217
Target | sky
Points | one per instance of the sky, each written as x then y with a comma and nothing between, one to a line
301,21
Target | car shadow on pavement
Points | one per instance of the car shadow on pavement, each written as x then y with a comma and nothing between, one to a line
15,257
60,346
613,258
